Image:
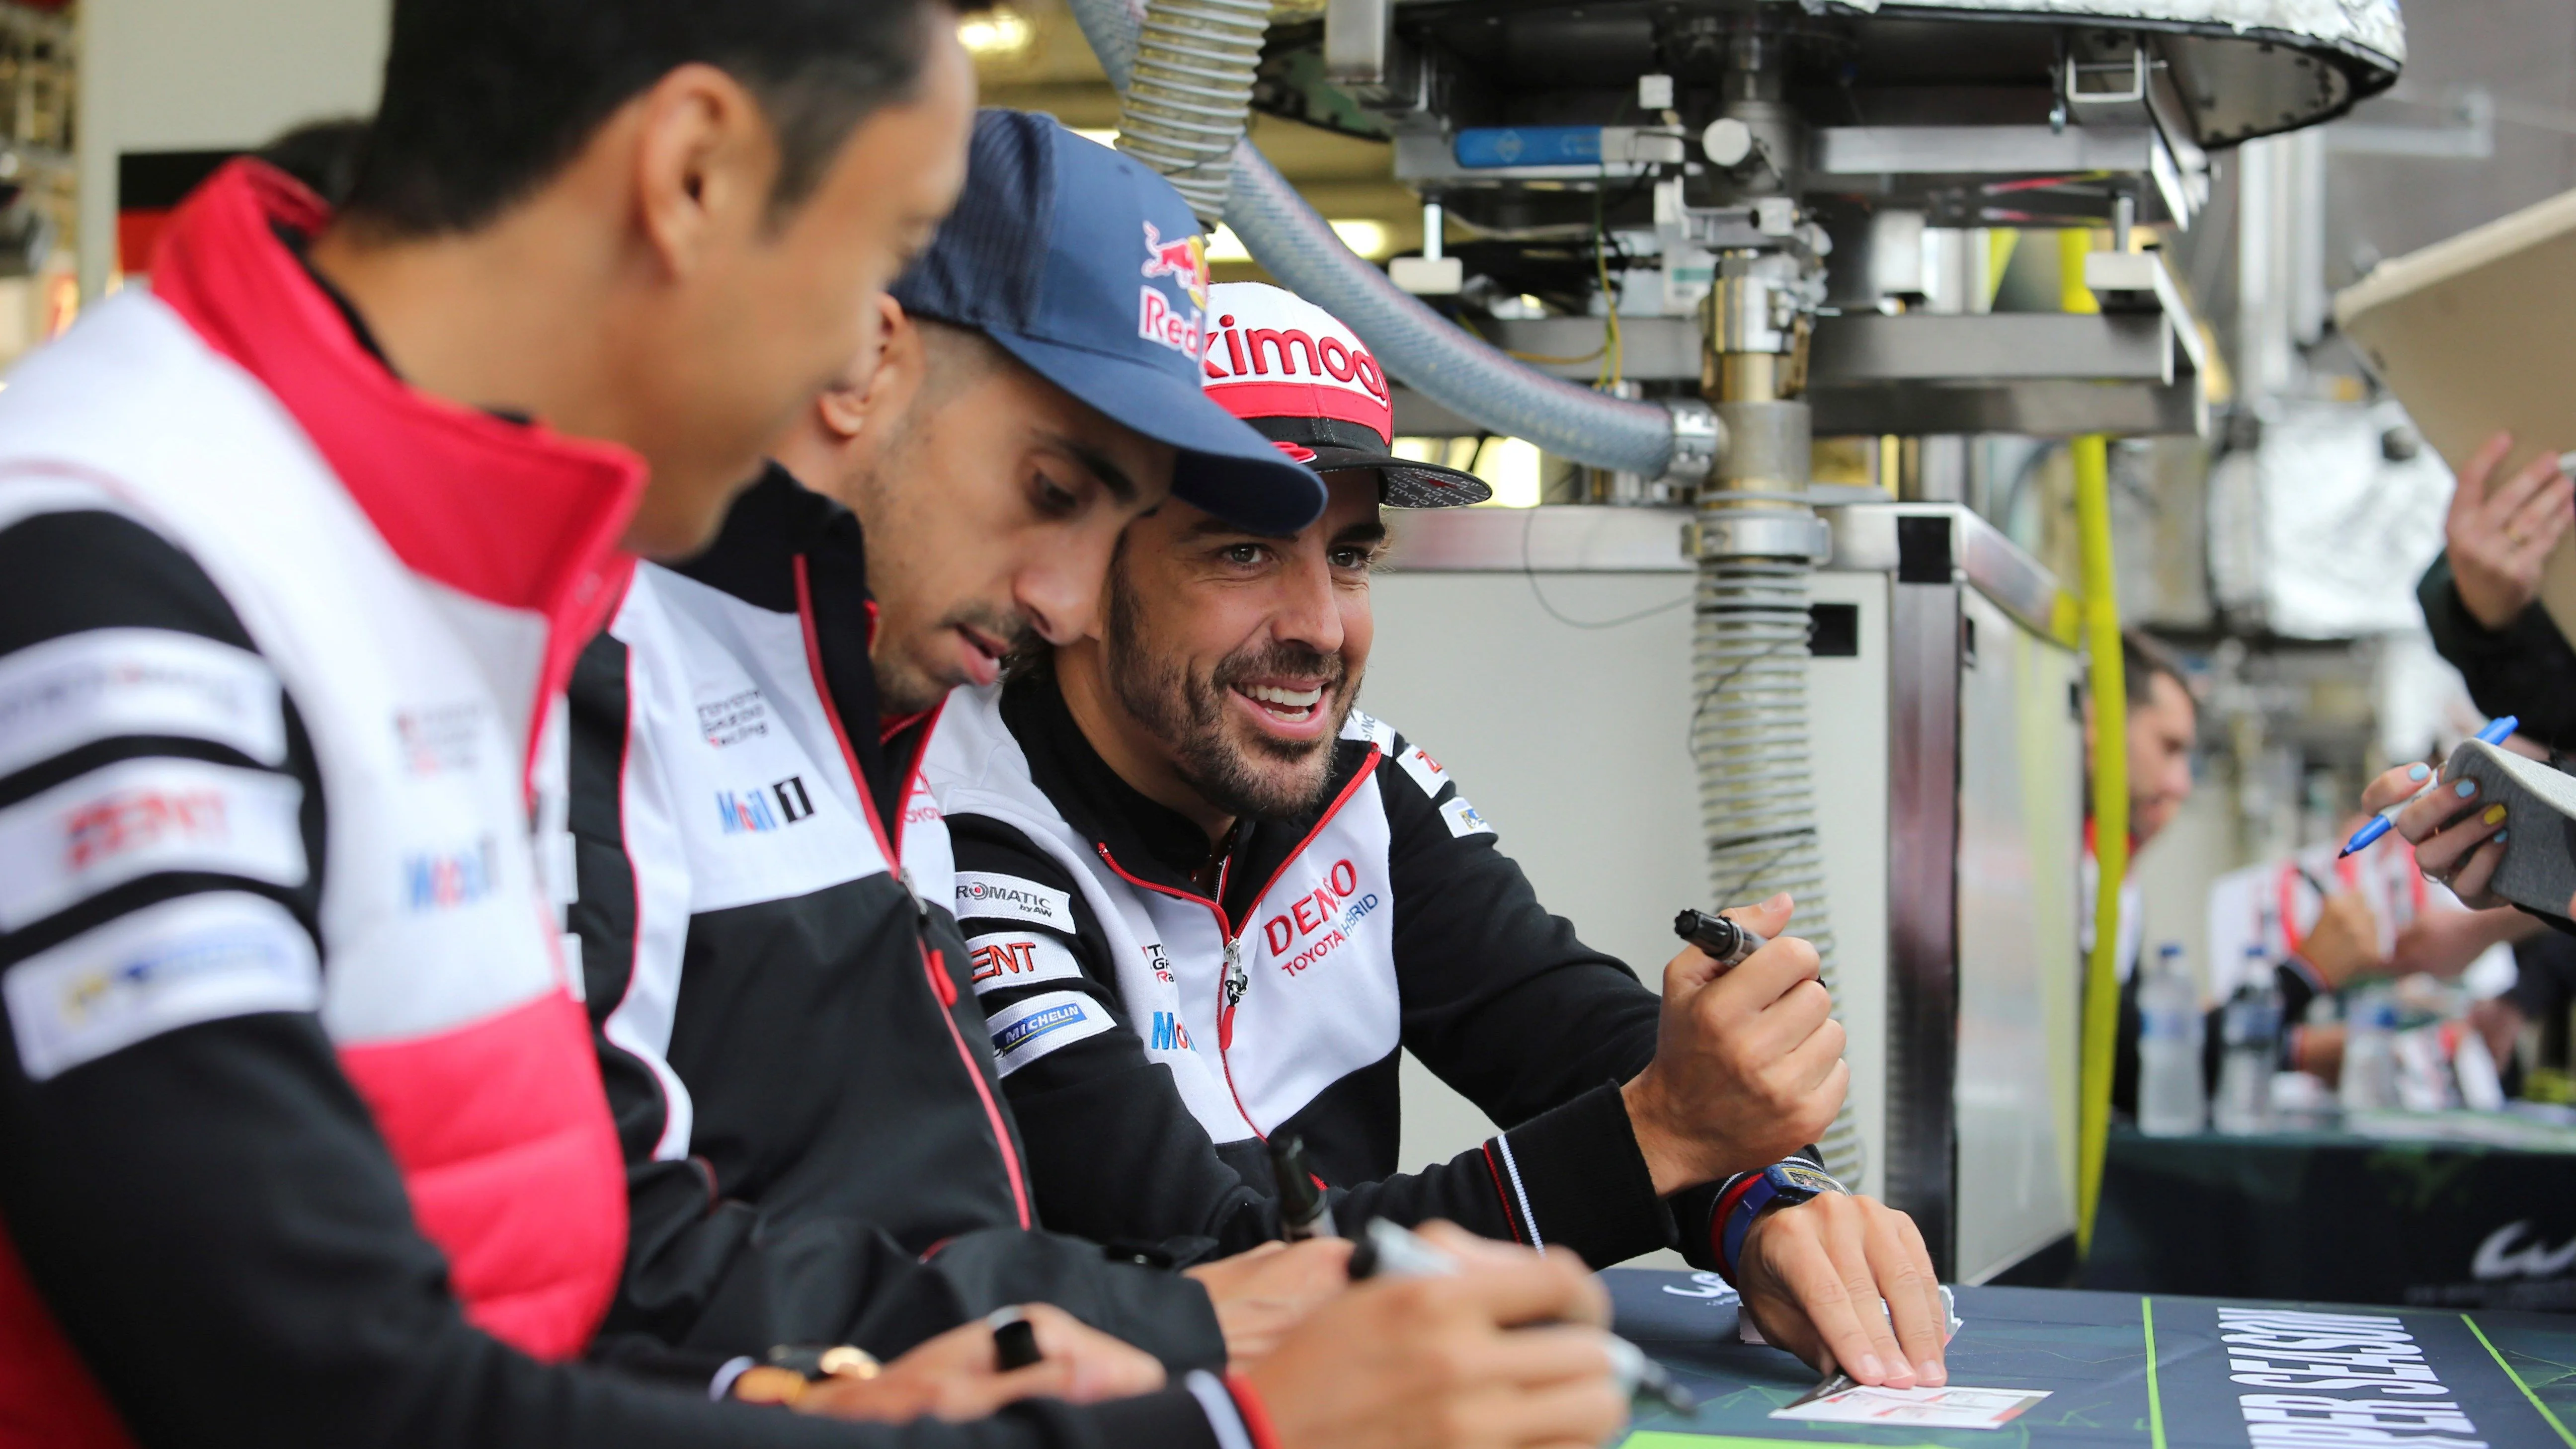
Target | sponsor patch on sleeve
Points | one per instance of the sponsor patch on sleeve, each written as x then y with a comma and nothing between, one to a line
1426,771
1365,726
105,683
141,817
1463,819
989,896
169,965
1028,1030
1006,959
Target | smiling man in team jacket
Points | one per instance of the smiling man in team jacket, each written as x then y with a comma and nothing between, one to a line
301,1140
1210,902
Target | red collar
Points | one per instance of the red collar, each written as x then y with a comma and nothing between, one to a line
512,514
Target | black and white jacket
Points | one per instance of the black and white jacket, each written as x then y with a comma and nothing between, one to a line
795,1062
1152,1036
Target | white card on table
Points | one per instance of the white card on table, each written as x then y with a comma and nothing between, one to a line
1922,1408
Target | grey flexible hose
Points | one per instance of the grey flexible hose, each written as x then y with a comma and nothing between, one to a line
1427,351
1756,786
1191,92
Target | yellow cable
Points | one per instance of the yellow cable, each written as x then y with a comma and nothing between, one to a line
2092,458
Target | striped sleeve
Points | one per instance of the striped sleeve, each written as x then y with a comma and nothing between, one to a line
160,812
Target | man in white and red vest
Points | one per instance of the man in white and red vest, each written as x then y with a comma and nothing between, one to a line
302,1141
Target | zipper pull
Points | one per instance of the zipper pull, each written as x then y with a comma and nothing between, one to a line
1236,982
920,907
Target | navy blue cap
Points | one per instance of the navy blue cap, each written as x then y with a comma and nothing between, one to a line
1088,267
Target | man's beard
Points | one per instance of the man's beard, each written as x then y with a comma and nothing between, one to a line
904,685
1187,713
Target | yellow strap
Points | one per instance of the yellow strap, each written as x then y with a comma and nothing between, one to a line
2110,774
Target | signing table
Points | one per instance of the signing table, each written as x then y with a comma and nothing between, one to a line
2158,1373
2449,1209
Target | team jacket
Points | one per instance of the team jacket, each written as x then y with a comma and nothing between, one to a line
301,1141
796,1063
1152,1036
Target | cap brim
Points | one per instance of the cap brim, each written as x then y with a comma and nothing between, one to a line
1404,483
1223,465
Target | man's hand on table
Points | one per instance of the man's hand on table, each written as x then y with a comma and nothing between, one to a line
1812,1276
1507,1354
1748,1066
958,1375
1262,1294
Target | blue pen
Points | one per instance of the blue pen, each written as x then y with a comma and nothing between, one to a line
2493,734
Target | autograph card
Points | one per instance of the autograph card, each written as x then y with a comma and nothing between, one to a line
1945,1408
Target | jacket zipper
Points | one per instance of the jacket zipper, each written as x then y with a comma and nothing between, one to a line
934,969
1236,982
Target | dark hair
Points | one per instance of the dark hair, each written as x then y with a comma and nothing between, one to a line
485,100
321,154
2142,658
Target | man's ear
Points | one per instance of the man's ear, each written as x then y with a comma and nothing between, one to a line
705,159
845,405
888,384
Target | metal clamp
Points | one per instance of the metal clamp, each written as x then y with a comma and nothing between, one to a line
1697,438
1764,533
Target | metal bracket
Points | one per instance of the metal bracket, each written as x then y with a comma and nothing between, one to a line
1697,439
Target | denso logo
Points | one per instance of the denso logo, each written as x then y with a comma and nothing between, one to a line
1323,357
1325,914
132,819
747,812
1169,1034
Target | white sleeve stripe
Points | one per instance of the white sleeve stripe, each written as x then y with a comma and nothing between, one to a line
1513,1170
1027,1030
1224,1418
990,896
102,684
1003,960
171,964
142,817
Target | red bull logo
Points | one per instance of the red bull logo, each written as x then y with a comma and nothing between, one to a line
1183,259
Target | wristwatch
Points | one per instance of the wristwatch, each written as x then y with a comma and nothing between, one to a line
1782,1184
795,1367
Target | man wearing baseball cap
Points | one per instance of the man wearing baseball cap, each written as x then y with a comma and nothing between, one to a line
784,1023
1208,902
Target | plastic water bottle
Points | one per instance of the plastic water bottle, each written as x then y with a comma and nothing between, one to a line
2171,1101
2249,1029
2370,1052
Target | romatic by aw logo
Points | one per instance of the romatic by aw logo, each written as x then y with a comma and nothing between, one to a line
752,812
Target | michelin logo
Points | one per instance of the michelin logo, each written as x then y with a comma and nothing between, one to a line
1028,1030
988,896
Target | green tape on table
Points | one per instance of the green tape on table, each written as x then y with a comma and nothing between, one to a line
2511,1376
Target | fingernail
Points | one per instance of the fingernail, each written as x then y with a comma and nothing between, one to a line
1931,1373
2494,813
2419,773
1871,1368
2466,788
2500,835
